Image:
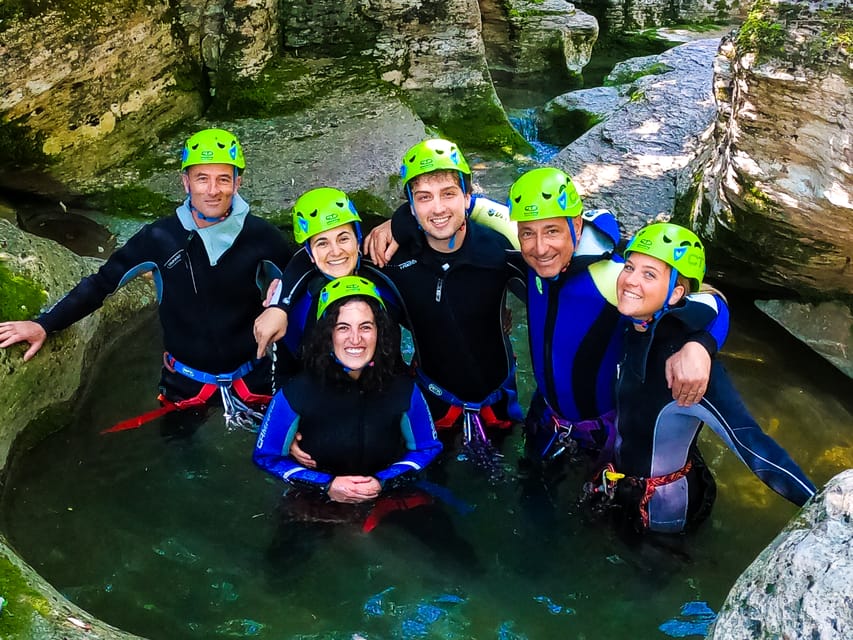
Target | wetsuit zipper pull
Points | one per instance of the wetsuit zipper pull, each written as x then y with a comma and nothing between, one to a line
439,286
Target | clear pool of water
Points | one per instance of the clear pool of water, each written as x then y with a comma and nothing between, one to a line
177,535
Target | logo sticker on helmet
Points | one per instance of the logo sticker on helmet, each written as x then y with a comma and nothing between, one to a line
678,253
562,200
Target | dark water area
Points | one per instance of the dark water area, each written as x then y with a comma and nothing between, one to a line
177,535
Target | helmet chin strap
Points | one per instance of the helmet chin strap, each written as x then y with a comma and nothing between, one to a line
205,218
673,280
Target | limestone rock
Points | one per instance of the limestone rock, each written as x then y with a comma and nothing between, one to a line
800,585
628,15
645,155
40,611
79,83
351,141
66,356
435,52
777,197
567,117
826,327
626,71
549,30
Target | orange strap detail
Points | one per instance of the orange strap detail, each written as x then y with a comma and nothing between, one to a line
658,481
168,406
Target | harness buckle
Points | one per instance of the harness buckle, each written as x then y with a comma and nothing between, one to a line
562,438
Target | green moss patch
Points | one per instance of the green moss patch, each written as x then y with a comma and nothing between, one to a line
366,202
289,84
132,201
22,299
12,11
22,602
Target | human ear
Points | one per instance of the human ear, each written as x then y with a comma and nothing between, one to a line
677,294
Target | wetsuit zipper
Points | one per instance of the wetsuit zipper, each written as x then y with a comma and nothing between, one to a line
548,345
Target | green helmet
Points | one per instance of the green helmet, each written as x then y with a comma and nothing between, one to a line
213,146
543,193
675,245
344,288
322,209
433,155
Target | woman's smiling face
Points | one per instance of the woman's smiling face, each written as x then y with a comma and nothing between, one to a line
335,252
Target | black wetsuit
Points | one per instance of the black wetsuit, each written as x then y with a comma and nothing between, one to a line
206,311
347,431
455,303
658,438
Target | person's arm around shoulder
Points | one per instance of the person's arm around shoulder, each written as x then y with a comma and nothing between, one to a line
271,325
422,443
494,215
689,369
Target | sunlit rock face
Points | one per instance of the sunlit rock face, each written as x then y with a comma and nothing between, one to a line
799,587
647,152
778,195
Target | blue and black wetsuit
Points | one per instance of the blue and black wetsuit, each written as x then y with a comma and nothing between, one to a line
668,488
575,337
207,286
347,431
455,302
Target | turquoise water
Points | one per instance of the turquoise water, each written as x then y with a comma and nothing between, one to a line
178,536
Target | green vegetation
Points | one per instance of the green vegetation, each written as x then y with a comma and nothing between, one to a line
366,202
654,69
290,84
760,33
475,121
22,299
12,11
23,602
131,201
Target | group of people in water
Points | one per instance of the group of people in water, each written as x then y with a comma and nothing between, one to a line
622,343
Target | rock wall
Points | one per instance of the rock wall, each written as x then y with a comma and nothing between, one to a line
778,193
776,198
626,15
48,384
74,84
551,33
800,585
